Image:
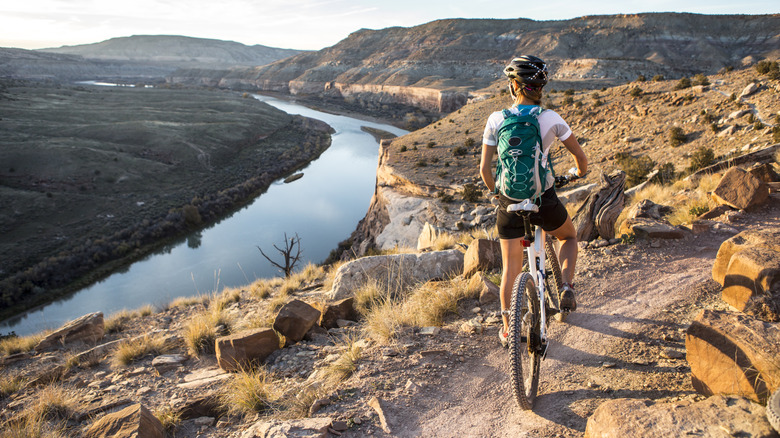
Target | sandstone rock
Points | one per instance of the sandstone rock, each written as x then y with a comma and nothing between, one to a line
168,362
88,329
648,209
717,416
741,190
295,319
651,229
133,421
376,405
395,271
241,349
764,172
344,309
732,353
757,238
752,283
576,195
480,285
203,378
305,428
482,255
750,89
428,236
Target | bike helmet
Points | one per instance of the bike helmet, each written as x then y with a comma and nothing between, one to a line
528,70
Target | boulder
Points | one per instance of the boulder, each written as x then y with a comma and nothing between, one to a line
752,283
482,255
305,428
648,209
741,190
748,90
488,292
295,319
133,421
732,353
244,348
765,172
650,229
396,271
88,329
344,309
428,236
769,238
714,417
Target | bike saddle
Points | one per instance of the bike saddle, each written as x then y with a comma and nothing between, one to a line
526,205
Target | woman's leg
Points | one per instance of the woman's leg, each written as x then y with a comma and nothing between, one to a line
567,251
512,263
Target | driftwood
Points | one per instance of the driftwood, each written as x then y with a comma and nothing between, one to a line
598,214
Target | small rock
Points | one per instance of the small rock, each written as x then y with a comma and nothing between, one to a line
430,331
609,365
203,421
340,426
671,353
476,310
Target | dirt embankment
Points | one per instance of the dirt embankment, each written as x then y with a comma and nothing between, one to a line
93,177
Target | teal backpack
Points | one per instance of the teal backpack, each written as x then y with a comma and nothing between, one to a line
522,172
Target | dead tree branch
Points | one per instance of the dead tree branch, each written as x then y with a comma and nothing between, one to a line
293,243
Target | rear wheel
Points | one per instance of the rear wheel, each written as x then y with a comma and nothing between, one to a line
524,341
554,281
773,410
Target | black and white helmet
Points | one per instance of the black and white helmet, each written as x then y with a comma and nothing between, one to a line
528,70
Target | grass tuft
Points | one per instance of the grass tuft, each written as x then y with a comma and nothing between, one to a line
252,391
10,383
170,419
20,344
200,332
134,349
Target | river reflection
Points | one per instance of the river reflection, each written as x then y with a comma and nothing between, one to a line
323,208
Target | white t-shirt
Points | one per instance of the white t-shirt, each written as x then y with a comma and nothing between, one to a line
551,126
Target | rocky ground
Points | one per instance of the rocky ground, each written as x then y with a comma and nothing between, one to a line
625,341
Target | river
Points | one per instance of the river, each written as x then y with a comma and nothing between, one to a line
323,208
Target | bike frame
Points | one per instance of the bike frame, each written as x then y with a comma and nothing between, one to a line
537,260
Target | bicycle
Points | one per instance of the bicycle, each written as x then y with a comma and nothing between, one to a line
531,293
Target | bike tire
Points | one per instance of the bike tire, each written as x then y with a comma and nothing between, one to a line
524,357
773,410
554,281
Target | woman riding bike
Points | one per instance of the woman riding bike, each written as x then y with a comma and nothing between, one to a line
527,76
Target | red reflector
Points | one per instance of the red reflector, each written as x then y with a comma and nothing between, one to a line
526,243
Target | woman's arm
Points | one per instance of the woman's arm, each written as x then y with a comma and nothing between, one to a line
573,146
485,170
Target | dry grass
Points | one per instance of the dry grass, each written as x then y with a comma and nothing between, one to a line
134,349
200,332
183,302
170,419
10,383
20,344
116,322
343,367
226,298
252,391
369,296
331,276
46,416
477,233
443,241
426,305
261,289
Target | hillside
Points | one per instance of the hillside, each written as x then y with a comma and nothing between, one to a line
438,66
178,51
124,169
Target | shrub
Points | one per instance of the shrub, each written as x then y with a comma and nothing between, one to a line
641,78
684,82
595,95
658,78
459,151
666,173
700,79
568,100
421,163
636,92
776,134
701,158
598,103
431,144
636,168
445,197
676,136
469,142
403,148
568,92
767,67
471,193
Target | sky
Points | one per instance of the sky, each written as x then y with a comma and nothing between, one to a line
294,24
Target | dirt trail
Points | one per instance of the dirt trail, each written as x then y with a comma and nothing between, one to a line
625,341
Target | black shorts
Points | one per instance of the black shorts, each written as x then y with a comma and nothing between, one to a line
552,214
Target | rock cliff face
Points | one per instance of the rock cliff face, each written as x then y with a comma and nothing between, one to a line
439,65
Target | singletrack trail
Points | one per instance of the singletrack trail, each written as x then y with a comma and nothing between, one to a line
626,340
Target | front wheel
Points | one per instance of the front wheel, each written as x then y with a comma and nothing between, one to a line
525,341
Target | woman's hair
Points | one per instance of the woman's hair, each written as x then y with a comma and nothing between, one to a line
532,93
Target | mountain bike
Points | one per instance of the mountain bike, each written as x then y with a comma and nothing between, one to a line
534,298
